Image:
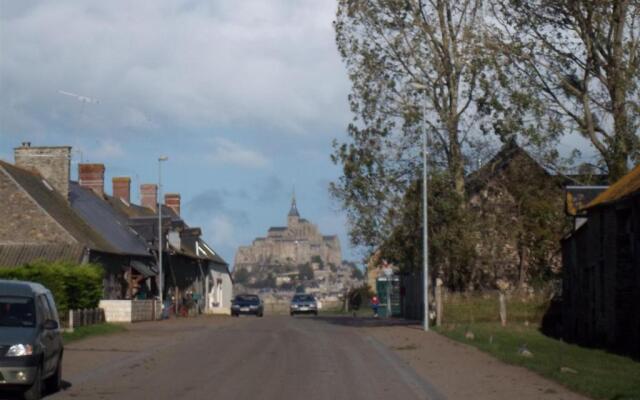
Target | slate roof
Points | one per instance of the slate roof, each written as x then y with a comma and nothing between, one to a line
57,207
144,221
277,228
104,219
624,187
508,153
293,212
13,255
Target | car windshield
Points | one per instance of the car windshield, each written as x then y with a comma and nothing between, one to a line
303,297
17,311
248,299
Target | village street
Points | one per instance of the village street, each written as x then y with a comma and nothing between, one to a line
278,357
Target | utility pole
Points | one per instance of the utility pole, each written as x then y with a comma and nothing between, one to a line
161,280
425,237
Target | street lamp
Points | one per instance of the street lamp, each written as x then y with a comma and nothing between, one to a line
425,230
161,280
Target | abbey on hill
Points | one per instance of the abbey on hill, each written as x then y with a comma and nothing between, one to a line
300,242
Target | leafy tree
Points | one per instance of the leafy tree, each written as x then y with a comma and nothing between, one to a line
356,273
413,65
450,234
570,66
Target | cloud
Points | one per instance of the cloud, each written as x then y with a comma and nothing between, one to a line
105,151
226,152
171,63
270,189
221,231
212,203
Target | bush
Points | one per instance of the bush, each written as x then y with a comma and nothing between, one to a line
73,286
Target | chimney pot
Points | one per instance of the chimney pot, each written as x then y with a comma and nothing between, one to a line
172,200
122,188
149,196
91,176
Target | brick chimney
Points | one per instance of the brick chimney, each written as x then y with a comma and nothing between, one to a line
91,176
172,200
149,195
53,163
122,188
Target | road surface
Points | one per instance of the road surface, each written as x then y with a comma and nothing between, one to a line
274,357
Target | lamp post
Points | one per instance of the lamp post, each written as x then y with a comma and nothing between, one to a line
161,280
425,230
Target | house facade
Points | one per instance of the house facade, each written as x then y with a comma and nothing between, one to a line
48,216
601,271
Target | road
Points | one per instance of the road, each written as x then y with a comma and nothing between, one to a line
274,357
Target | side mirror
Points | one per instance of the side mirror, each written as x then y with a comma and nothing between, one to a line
50,325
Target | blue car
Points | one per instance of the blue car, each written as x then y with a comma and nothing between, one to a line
303,304
247,304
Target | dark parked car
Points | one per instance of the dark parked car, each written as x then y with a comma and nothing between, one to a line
303,304
30,339
247,304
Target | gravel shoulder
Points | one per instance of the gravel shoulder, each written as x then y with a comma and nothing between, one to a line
463,372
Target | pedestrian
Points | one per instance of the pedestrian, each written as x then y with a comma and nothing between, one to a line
375,304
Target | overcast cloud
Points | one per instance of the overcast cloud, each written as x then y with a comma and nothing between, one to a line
244,97
182,63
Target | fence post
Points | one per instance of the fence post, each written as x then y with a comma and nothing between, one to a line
71,320
439,284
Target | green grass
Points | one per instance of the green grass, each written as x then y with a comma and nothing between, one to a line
600,375
484,307
92,330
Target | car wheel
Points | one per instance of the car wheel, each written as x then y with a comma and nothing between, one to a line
315,313
54,382
35,391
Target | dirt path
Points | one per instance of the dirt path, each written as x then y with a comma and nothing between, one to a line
463,372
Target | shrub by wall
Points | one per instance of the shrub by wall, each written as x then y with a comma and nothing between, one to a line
73,286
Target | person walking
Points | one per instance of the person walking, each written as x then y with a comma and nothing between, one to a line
375,304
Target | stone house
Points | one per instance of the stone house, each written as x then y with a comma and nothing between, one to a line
191,268
516,206
601,270
40,221
48,216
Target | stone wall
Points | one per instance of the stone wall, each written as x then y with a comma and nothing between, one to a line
23,220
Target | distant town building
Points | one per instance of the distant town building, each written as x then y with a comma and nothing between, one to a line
300,242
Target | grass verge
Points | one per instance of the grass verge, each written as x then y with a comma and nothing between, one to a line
92,330
595,373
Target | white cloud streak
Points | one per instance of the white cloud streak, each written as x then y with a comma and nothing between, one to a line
226,152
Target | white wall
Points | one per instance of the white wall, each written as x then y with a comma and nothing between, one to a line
220,289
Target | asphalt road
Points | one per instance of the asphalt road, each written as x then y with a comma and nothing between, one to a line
276,357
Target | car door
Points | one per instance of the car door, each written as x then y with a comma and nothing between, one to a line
46,336
57,333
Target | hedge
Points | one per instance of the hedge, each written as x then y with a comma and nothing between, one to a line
73,286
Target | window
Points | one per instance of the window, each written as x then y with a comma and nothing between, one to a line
43,307
17,312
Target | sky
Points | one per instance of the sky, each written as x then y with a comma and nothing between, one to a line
244,97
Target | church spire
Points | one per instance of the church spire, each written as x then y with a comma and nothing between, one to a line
294,208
